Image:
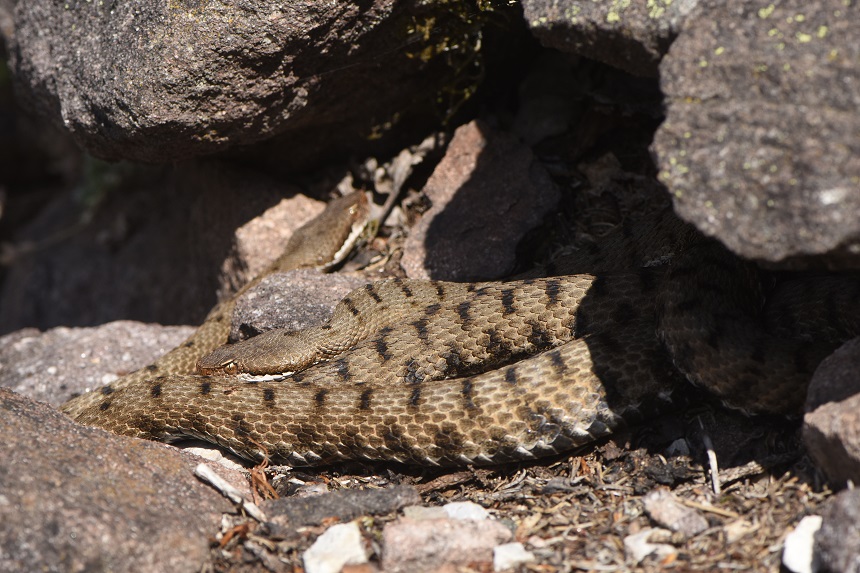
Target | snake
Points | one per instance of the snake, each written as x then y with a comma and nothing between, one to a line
442,373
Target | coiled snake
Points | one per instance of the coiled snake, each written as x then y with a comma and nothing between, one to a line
446,373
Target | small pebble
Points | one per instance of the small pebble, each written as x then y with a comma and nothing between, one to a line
797,552
638,547
465,510
340,545
510,555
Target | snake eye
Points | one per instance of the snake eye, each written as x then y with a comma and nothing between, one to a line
230,367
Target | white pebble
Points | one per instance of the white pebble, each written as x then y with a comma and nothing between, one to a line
797,552
466,510
510,555
340,545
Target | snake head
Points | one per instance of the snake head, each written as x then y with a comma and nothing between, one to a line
272,353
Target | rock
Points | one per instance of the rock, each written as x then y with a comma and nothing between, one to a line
838,539
293,300
797,551
340,545
638,546
759,143
344,505
835,379
107,503
487,192
55,365
262,239
831,434
510,555
159,251
667,511
632,36
423,546
160,82
465,510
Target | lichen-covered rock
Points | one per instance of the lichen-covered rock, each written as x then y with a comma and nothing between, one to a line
760,145
632,36
160,81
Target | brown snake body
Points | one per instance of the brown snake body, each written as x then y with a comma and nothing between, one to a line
446,373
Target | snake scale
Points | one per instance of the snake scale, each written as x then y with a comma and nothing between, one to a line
433,372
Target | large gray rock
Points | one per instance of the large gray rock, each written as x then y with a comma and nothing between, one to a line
55,365
760,145
293,300
107,504
837,542
160,81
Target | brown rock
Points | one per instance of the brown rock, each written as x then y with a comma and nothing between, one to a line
80,499
667,511
487,191
422,546
759,145
836,378
831,434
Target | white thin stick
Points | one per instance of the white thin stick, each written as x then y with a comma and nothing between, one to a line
712,462
208,475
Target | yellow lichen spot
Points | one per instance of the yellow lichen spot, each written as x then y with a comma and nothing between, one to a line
822,31
800,18
803,38
766,11
772,168
679,193
792,181
719,51
687,135
832,55
709,204
703,63
770,203
786,67
761,68
613,17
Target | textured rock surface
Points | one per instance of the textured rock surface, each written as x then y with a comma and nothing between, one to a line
107,504
293,300
54,365
831,426
156,81
838,540
345,505
158,249
759,146
487,191
831,434
423,546
836,378
632,36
